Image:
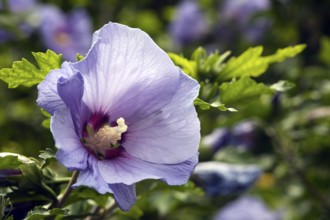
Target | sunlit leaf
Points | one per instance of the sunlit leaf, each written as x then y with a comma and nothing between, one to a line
41,213
282,86
251,63
27,74
242,90
189,67
205,105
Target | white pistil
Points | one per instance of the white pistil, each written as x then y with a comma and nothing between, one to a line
106,137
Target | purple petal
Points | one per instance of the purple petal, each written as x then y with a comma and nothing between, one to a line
222,179
71,91
91,177
128,170
125,195
126,74
172,134
71,152
48,97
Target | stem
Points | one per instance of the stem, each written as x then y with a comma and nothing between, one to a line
68,189
95,213
109,211
50,191
59,180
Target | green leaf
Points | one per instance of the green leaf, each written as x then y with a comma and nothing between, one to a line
48,156
12,160
207,65
80,57
205,105
46,122
242,90
41,213
251,63
32,175
134,213
325,50
5,203
282,86
189,67
27,74
85,193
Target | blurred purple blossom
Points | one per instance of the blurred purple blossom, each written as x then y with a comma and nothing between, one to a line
189,24
218,139
239,17
225,179
247,208
24,14
123,114
17,6
10,172
241,11
68,34
242,135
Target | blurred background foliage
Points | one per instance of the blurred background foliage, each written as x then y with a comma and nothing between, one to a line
287,134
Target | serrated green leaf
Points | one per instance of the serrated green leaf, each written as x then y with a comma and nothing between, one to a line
325,50
219,65
282,86
5,203
41,213
48,156
251,63
242,90
46,122
198,54
134,213
12,160
205,105
189,67
27,74
247,64
9,162
80,57
85,193
284,53
32,174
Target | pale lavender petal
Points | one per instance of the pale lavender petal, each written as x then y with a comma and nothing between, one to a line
128,170
126,74
91,177
125,195
71,91
76,162
172,134
224,179
71,152
48,97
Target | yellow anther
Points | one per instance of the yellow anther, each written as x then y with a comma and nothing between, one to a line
106,137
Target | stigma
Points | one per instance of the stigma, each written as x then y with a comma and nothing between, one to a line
106,138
